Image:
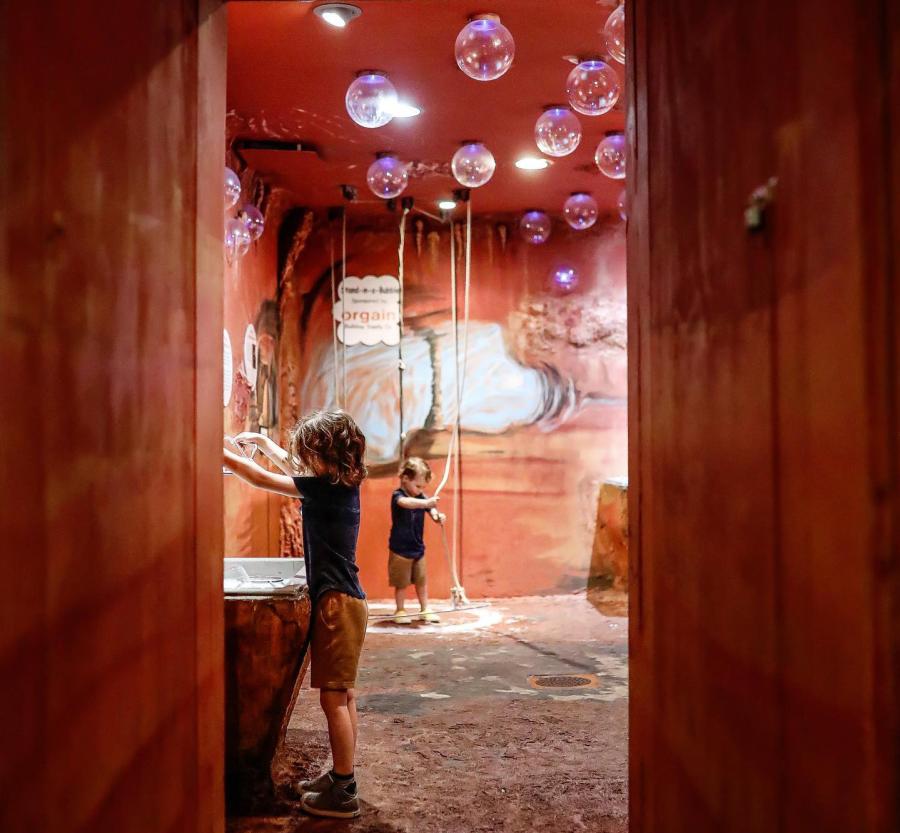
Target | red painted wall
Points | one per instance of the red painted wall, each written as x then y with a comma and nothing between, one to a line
111,148
251,516
529,491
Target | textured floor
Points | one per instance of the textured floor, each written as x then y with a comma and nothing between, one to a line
454,738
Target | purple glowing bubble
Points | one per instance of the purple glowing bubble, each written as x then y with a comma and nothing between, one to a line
237,240
371,100
253,220
473,165
535,227
593,88
580,211
485,48
232,188
622,204
564,277
610,156
614,34
557,131
387,177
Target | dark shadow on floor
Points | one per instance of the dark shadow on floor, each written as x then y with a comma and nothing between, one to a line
455,738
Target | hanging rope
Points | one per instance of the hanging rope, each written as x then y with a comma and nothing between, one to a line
468,283
453,460
460,382
460,395
448,465
344,285
400,365
334,323
457,456
454,456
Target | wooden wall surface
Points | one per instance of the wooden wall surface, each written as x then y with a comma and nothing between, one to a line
764,417
111,150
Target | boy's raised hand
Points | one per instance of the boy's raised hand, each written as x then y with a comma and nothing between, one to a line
431,502
250,442
249,438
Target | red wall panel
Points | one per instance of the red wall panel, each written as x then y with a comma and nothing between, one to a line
763,419
111,629
250,289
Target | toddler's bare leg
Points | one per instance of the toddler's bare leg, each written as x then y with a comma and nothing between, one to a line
422,593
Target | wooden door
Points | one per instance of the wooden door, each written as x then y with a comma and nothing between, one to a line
763,416
111,152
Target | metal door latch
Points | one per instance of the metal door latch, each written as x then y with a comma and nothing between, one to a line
758,202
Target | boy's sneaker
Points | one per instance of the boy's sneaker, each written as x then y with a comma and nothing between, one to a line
317,785
428,616
401,617
337,801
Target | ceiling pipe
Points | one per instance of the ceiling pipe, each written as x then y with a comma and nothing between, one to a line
291,146
432,216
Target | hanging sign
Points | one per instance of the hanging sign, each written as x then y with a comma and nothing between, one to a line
367,310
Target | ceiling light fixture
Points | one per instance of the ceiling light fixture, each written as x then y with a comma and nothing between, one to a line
404,111
446,205
337,14
532,163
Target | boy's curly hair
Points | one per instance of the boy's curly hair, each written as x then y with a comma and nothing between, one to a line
414,467
330,444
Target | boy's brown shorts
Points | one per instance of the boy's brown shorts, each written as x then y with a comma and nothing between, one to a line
403,571
338,631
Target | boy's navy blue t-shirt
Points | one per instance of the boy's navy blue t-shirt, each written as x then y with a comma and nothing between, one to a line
330,530
407,528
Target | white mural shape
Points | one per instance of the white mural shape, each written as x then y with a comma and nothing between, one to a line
499,393
227,371
367,310
251,356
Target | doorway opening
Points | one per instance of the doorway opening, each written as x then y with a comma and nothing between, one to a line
435,243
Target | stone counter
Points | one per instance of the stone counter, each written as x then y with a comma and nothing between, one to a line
265,662
609,556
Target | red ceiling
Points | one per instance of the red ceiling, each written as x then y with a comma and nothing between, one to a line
288,72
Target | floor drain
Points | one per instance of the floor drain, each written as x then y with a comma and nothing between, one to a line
563,681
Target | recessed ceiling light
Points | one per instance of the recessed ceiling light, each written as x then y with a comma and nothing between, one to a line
446,205
532,163
404,111
337,14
